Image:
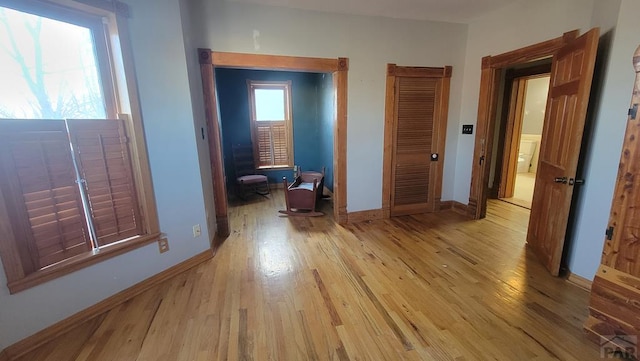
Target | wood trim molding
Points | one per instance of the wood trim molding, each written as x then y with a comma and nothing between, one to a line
446,205
30,343
80,261
389,115
579,281
364,216
221,203
343,64
532,52
422,72
461,208
204,56
454,206
488,98
277,62
340,86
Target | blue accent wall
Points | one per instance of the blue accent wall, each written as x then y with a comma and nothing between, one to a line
310,103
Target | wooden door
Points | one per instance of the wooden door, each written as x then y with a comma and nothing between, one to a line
615,292
418,126
512,139
570,84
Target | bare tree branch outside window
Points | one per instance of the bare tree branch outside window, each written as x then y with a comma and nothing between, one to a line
48,69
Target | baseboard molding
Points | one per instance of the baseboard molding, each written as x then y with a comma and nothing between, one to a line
363,216
579,281
455,206
38,339
445,205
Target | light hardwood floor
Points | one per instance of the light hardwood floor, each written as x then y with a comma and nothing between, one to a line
426,287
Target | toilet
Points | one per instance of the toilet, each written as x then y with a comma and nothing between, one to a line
525,154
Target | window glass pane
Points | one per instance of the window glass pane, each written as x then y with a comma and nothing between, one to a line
269,104
48,69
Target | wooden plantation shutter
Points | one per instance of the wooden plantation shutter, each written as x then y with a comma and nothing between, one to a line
103,161
39,182
273,143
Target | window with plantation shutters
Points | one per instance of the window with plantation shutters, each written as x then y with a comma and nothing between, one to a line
271,130
68,189
72,192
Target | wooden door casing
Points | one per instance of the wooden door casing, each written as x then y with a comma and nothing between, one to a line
415,129
487,103
615,293
569,89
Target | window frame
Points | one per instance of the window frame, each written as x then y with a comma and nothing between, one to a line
252,86
120,91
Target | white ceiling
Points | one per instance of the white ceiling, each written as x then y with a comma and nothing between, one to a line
459,11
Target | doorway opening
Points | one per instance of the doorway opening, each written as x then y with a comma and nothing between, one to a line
573,63
281,147
519,132
338,68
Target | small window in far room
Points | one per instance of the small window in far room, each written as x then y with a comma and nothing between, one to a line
271,130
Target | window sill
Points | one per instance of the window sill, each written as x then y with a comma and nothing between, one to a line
80,261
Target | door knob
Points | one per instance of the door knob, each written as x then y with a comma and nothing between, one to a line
562,180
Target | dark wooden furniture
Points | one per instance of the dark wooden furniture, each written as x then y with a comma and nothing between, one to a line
248,181
310,176
301,196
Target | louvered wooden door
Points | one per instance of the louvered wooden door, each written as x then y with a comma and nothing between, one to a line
419,125
569,88
615,293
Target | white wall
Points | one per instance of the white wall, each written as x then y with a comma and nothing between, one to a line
166,105
534,105
369,43
192,36
520,24
609,117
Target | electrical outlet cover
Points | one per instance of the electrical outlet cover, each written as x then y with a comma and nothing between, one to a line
163,245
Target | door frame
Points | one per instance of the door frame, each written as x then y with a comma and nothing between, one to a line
492,67
394,71
339,67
